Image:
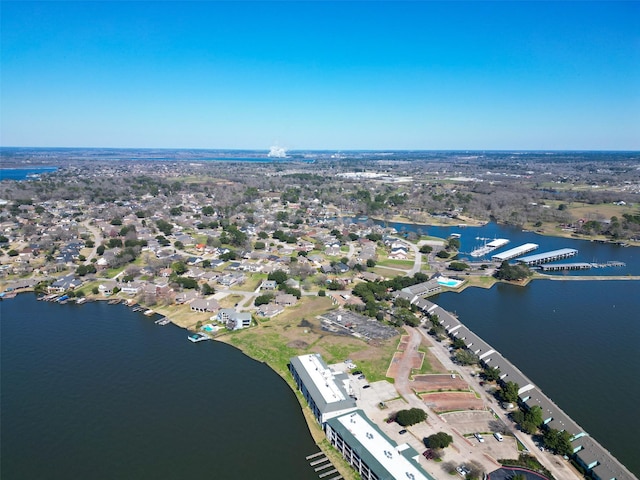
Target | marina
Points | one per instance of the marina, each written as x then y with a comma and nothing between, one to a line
515,252
546,257
489,247
578,266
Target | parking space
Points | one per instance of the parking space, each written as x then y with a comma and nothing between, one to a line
470,422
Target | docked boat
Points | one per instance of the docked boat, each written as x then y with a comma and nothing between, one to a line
198,337
149,312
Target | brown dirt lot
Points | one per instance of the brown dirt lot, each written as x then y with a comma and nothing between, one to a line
404,341
447,401
430,383
416,359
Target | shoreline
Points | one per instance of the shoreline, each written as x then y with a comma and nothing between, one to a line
314,429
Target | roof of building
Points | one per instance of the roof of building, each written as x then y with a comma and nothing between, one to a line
515,252
326,387
538,257
381,454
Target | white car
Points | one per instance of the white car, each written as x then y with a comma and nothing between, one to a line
479,437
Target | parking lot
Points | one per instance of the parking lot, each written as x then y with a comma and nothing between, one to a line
344,321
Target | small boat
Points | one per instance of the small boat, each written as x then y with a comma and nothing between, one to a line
80,301
149,312
197,337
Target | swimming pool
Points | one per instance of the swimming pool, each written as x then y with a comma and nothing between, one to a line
449,282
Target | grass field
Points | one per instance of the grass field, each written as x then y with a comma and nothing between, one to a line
297,331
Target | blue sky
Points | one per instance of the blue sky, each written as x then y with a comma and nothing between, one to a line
321,75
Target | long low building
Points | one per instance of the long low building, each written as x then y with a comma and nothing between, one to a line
326,391
372,453
596,460
515,252
545,257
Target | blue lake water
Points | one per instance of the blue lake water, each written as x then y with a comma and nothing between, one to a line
590,252
23,173
97,391
579,341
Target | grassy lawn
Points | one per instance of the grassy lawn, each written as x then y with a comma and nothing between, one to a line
230,301
430,364
297,331
406,264
385,272
252,282
482,282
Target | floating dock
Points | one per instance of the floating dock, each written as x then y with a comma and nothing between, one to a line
578,266
548,256
162,321
489,247
515,252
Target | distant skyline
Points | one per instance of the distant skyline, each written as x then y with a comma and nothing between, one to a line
321,75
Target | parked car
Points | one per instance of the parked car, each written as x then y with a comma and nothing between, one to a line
402,432
479,437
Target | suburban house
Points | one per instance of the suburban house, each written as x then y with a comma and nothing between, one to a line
268,285
202,305
68,282
286,299
234,320
269,310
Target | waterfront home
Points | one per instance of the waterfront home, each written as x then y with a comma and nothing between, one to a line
234,320
106,287
269,310
68,282
203,305
131,288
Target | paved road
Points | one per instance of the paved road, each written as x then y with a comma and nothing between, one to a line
97,238
555,464
462,450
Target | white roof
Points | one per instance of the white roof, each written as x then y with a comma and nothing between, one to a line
323,378
381,448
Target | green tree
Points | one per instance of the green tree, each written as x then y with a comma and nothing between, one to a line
95,290
371,263
466,357
12,253
458,266
491,374
207,289
179,268
411,416
442,254
263,299
512,272
509,392
322,293
259,246
278,276
558,441
426,249
438,440
164,226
